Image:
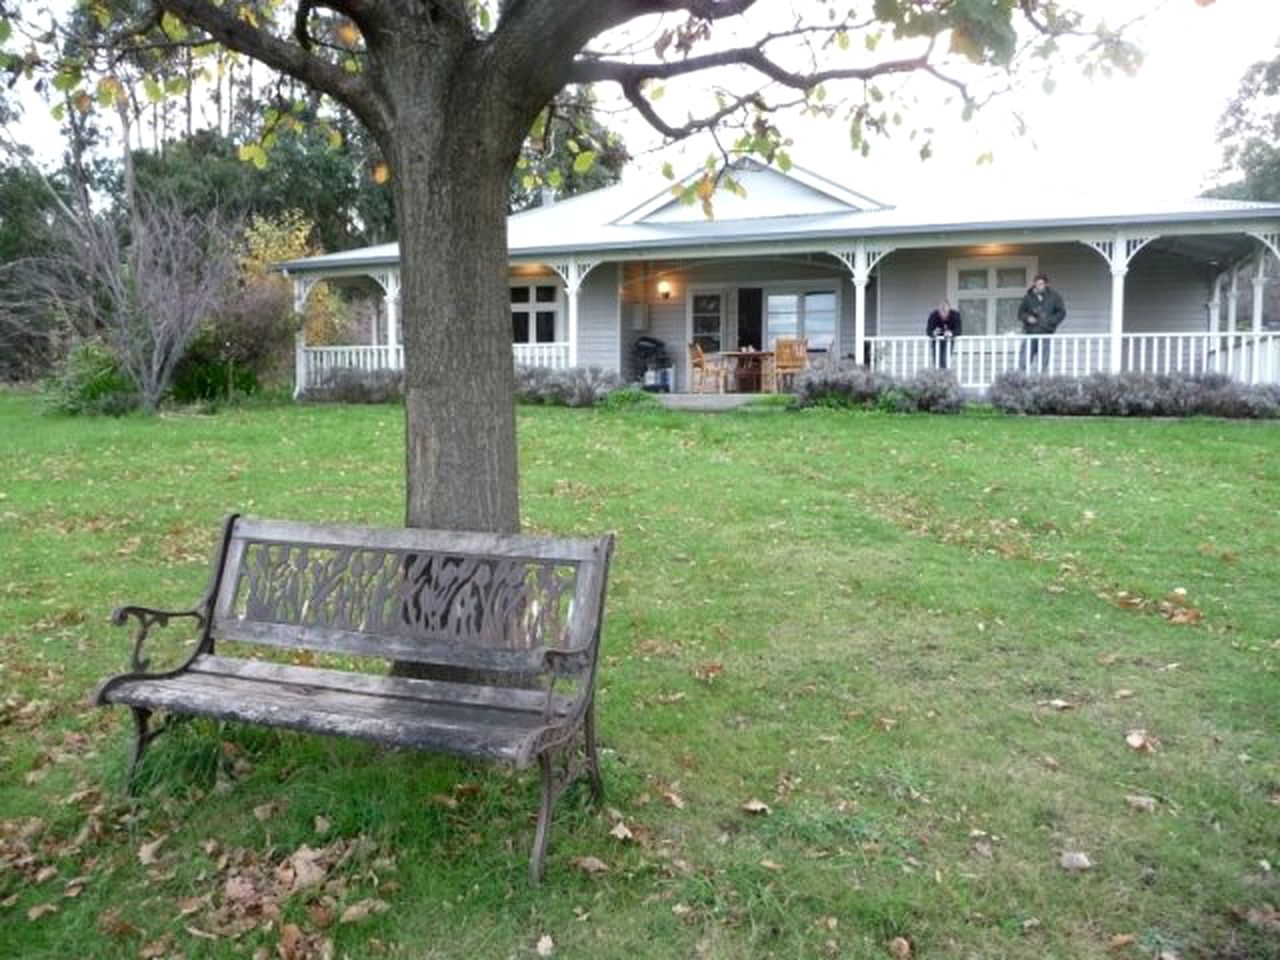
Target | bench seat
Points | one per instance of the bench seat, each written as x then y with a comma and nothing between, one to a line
500,724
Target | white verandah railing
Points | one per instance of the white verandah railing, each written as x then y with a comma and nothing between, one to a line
316,364
977,361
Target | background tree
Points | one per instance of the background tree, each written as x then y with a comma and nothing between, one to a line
1249,132
569,151
449,89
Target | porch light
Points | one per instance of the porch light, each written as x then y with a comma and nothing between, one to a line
664,289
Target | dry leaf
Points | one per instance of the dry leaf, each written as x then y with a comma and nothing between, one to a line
900,948
1075,861
682,909
708,672
1265,918
772,865
673,799
886,723
1124,693
266,811
622,832
591,865
1141,741
292,942
365,908
546,946
444,800
1121,940
757,807
147,852
1140,802
1051,762
46,873
154,949
40,910
320,914
322,824
984,849
307,871
1057,704
189,905
109,923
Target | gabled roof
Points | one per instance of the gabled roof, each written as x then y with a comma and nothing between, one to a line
797,206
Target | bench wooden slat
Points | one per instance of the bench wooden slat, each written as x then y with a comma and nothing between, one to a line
412,649
412,538
425,692
498,735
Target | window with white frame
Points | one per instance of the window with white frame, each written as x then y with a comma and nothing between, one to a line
808,314
706,319
536,316
987,292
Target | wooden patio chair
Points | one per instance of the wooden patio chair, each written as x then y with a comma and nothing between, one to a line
706,368
790,356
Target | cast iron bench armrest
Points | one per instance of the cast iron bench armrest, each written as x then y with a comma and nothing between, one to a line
147,618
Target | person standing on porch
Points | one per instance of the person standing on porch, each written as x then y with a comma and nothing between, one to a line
942,328
1042,310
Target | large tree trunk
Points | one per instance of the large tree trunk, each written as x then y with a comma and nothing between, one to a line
451,207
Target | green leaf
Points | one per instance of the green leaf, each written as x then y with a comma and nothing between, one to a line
571,145
6,30
67,79
584,161
784,161
668,171
842,40
656,91
253,153
59,112
555,179
155,93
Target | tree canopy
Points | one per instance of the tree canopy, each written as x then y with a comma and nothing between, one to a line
1249,132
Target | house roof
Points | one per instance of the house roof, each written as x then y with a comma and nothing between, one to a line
798,206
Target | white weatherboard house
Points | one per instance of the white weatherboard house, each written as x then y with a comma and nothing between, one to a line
1148,286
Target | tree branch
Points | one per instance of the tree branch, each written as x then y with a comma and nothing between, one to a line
224,26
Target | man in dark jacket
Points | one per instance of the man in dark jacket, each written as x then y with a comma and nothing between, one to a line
942,327
1041,311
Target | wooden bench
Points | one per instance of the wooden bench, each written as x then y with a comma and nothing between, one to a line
507,626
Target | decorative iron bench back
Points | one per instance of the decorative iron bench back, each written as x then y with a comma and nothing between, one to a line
454,599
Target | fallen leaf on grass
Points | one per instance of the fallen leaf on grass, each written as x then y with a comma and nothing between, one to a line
321,824
147,853
1051,762
984,849
265,811
900,948
40,910
365,908
1121,940
1265,918
444,800
46,873
772,865
1124,693
1139,802
190,905
1141,741
1057,704
756,807
673,799
708,672
1074,861
590,865
109,923
622,832
682,909
886,723
546,946
156,948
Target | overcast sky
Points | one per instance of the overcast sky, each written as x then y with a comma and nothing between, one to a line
1148,135
1152,134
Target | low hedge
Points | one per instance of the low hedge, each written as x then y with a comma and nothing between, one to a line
851,385
1134,395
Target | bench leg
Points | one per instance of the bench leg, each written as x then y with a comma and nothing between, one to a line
538,858
593,758
141,738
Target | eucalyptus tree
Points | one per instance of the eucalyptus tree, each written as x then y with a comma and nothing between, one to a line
449,90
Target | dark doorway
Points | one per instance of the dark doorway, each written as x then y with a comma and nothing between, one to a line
750,318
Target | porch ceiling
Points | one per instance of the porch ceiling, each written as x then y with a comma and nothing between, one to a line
1213,249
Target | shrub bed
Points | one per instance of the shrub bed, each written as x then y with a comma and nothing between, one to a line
1134,395
575,387
849,384
89,380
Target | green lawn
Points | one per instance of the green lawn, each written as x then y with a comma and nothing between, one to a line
921,642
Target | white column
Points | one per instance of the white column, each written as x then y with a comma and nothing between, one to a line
391,299
572,292
1233,295
1118,272
1259,287
301,289
1215,306
861,274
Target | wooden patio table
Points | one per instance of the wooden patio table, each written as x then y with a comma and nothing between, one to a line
749,368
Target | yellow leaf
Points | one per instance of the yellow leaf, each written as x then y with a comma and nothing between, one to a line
381,173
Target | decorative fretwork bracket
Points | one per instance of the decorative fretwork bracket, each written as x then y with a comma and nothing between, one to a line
861,259
1269,239
573,271
389,281
302,287
1118,250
